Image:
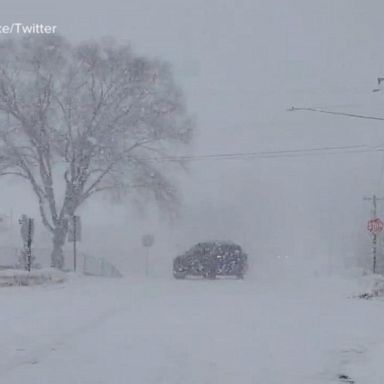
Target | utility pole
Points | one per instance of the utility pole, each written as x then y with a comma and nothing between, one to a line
377,224
74,242
374,200
74,235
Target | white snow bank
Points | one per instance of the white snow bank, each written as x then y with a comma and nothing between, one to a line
11,277
372,286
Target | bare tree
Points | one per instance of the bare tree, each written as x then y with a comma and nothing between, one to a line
79,120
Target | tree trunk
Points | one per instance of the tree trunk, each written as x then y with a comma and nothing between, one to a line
59,236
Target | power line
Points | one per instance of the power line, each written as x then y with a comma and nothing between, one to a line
353,115
366,117
302,152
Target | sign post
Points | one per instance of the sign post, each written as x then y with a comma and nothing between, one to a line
27,230
74,235
375,226
147,240
29,243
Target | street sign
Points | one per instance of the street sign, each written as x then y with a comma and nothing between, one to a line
148,240
375,226
74,229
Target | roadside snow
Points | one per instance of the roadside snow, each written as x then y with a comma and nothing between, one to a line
97,331
10,277
373,286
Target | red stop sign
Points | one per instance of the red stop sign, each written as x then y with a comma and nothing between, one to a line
375,226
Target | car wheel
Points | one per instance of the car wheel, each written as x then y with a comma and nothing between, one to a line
211,275
179,275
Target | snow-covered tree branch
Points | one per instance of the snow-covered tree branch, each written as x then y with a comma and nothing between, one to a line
85,119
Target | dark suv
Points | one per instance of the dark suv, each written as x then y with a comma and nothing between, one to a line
211,259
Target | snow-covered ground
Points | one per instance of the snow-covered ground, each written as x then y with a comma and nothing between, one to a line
91,330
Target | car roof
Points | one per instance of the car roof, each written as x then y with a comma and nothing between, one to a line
217,243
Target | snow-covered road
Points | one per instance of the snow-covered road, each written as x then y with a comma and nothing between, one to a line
99,331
